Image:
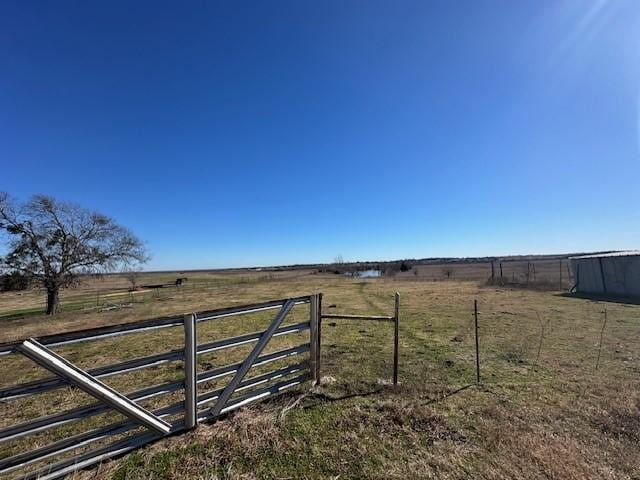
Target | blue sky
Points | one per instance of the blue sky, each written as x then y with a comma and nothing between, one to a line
256,133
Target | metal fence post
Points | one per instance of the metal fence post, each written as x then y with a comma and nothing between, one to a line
313,337
319,349
190,372
475,316
396,332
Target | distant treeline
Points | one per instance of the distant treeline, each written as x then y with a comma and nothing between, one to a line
396,265
385,268
14,282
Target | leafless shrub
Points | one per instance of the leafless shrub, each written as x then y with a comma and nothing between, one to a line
132,277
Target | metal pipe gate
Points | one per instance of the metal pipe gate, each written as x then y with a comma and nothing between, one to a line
83,449
197,406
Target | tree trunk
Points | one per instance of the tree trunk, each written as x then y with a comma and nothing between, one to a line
52,300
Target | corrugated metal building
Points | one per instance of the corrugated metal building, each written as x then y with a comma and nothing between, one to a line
616,274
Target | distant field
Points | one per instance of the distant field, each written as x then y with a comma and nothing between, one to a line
112,291
105,292
549,272
542,411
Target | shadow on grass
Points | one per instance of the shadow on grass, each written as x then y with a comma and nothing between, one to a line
324,397
319,397
601,298
450,394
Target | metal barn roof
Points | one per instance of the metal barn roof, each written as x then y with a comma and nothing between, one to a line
629,253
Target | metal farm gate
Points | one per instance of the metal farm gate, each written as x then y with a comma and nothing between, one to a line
74,439
141,424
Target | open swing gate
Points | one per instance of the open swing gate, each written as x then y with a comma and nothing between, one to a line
62,454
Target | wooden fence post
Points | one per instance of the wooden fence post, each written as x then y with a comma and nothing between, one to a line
396,320
190,372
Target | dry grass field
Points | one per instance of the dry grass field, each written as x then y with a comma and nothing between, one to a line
540,272
543,410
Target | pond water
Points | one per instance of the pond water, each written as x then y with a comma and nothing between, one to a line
369,273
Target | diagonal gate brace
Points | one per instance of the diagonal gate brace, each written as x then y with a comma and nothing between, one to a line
249,361
81,379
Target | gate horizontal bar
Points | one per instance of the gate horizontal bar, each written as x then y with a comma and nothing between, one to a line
47,384
64,467
256,395
97,333
252,357
52,383
58,419
256,307
249,338
382,318
137,415
215,373
263,393
67,466
24,459
209,397
57,364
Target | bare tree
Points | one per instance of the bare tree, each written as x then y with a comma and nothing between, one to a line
55,242
133,276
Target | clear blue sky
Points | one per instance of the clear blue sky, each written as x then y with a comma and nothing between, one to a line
256,133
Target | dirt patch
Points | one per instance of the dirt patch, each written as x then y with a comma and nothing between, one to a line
621,423
390,418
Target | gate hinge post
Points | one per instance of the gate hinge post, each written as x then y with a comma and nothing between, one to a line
190,372
314,343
